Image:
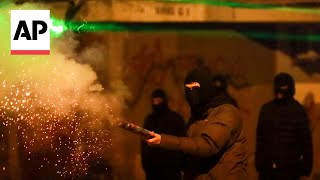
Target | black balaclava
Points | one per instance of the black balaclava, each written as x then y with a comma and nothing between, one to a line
205,97
198,98
219,82
159,93
284,85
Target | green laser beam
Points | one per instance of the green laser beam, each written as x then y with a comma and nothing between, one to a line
233,4
81,27
282,36
223,3
247,5
58,27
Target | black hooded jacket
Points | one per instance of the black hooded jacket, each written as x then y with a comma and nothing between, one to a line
220,83
283,134
162,120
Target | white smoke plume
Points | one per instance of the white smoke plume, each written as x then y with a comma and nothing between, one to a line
59,94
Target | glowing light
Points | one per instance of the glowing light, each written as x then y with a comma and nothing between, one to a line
51,120
58,27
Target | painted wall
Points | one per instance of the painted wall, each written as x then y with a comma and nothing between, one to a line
151,60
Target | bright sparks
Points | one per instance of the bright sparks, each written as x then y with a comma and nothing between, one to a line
53,121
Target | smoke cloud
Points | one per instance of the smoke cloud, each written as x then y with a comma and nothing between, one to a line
56,96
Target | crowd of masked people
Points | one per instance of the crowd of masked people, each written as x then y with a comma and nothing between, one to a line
212,144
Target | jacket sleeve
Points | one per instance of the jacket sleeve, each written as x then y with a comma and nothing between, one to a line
145,155
306,144
178,126
217,134
260,140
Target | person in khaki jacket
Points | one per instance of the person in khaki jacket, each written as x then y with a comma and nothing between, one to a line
216,143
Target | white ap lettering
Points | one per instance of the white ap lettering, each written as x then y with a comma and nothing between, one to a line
26,33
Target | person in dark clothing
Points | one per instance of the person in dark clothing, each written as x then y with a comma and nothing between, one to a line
284,146
216,143
160,164
219,82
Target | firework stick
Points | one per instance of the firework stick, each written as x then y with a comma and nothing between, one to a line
135,129
130,126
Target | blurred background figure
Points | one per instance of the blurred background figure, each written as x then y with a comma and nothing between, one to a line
220,83
313,111
160,164
284,145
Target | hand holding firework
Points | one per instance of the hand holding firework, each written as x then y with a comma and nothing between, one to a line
130,126
135,129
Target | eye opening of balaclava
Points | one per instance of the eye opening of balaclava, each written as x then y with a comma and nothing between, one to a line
159,100
284,86
219,82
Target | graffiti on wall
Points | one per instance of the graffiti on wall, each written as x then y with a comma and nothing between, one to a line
147,66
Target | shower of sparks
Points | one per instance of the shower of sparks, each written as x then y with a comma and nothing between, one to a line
53,121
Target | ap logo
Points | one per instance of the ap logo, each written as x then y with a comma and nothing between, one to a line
30,32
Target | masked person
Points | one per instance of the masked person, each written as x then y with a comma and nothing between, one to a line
283,147
160,164
216,144
220,84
